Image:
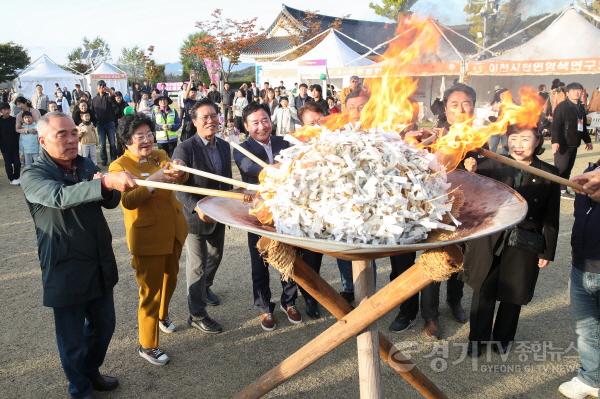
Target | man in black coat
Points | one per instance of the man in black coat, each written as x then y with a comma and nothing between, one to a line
302,97
205,239
9,144
257,122
568,129
65,196
103,105
228,98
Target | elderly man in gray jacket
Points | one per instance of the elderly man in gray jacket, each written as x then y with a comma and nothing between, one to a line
66,194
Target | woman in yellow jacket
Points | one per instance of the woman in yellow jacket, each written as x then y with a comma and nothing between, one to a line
155,230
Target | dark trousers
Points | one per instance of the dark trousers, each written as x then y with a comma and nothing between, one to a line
483,305
313,260
12,162
83,333
107,130
429,296
168,147
227,113
261,289
564,160
203,257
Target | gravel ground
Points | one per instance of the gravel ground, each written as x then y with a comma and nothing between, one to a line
218,366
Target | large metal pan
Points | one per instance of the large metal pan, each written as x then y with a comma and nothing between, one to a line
490,207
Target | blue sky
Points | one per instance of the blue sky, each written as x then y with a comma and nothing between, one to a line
56,27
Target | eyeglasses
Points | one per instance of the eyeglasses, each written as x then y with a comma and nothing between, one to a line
205,118
141,137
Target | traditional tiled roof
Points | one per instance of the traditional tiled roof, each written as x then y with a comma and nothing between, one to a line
369,33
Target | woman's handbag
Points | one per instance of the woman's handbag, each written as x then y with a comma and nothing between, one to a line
525,239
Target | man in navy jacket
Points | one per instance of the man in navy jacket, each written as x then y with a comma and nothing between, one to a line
257,121
585,288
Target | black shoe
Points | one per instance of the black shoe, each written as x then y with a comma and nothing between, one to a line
475,349
312,310
501,347
89,395
401,323
211,298
104,383
206,325
348,296
458,312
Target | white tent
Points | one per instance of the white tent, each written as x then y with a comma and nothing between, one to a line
113,76
45,72
331,52
336,52
567,49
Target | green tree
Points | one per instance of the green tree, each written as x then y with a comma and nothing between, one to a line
190,60
12,58
132,61
392,9
155,72
75,57
501,18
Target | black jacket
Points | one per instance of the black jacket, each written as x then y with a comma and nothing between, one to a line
214,96
228,96
77,116
518,267
74,241
248,168
585,236
322,104
104,108
193,152
564,125
9,138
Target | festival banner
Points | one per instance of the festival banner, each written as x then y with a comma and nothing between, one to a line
542,67
213,67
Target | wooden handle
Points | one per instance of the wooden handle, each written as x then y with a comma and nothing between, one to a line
192,190
530,169
250,155
222,179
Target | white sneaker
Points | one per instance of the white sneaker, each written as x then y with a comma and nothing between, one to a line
577,389
167,326
154,356
16,182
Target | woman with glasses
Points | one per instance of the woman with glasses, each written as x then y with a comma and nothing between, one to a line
155,230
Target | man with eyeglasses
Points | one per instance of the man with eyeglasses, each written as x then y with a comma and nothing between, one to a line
257,121
205,239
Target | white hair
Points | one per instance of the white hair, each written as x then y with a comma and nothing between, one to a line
44,122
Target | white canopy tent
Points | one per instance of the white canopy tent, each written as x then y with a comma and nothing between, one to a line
112,75
330,53
46,72
567,49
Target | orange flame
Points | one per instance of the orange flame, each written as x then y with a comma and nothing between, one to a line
390,106
463,137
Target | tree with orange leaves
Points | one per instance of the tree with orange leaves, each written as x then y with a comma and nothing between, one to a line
225,39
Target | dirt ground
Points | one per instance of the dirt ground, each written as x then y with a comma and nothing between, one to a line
218,366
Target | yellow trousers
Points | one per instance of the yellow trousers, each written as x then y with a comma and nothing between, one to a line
157,278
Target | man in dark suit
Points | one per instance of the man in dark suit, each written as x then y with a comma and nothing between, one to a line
204,243
257,121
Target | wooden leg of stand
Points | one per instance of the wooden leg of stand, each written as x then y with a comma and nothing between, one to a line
367,343
335,304
370,310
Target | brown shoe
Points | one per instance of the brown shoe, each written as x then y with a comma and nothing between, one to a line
292,314
432,329
267,322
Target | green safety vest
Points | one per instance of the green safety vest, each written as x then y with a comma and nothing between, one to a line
165,135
